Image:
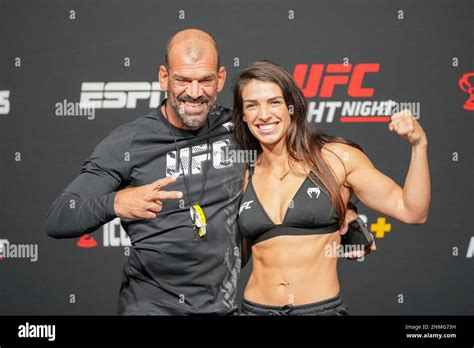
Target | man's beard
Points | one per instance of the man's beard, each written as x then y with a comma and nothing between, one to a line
189,119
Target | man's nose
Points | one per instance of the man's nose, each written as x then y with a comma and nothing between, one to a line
194,89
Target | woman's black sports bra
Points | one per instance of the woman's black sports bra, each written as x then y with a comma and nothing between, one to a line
310,212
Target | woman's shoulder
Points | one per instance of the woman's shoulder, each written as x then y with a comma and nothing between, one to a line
341,150
345,154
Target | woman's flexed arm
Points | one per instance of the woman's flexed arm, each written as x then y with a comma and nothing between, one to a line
377,191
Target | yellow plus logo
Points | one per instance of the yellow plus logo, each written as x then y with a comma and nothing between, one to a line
380,227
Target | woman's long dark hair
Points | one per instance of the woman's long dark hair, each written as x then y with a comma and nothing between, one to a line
303,142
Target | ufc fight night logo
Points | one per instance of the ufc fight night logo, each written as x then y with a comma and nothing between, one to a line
321,81
121,95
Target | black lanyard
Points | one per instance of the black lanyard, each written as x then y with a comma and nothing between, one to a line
188,191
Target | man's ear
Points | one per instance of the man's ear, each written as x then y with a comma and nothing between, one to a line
163,77
221,76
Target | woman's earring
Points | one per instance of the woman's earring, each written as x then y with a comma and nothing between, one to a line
291,110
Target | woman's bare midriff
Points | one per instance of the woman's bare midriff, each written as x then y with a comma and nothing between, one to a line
294,270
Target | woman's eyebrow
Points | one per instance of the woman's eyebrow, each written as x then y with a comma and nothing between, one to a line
269,99
275,98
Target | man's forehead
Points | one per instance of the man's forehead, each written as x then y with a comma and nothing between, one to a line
193,69
192,55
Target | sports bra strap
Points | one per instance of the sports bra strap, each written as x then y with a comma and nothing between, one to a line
251,168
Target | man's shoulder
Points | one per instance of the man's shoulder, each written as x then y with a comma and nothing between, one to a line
123,135
146,123
222,114
222,110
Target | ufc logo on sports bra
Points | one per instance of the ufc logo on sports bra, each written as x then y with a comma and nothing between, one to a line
245,205
192,158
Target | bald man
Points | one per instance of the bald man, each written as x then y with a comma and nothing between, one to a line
179,211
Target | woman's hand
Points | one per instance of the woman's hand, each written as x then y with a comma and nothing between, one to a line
405,124
354,254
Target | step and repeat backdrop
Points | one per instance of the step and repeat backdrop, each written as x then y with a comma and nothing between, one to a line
349,57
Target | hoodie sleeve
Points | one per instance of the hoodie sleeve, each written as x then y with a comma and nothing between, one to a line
88,201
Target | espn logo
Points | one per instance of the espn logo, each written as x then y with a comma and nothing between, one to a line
120,95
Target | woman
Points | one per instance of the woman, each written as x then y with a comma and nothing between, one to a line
295,197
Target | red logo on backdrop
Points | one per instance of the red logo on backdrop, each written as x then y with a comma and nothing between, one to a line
336,74
467,86
86,241
319,82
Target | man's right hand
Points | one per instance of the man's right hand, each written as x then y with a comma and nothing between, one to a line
144,202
